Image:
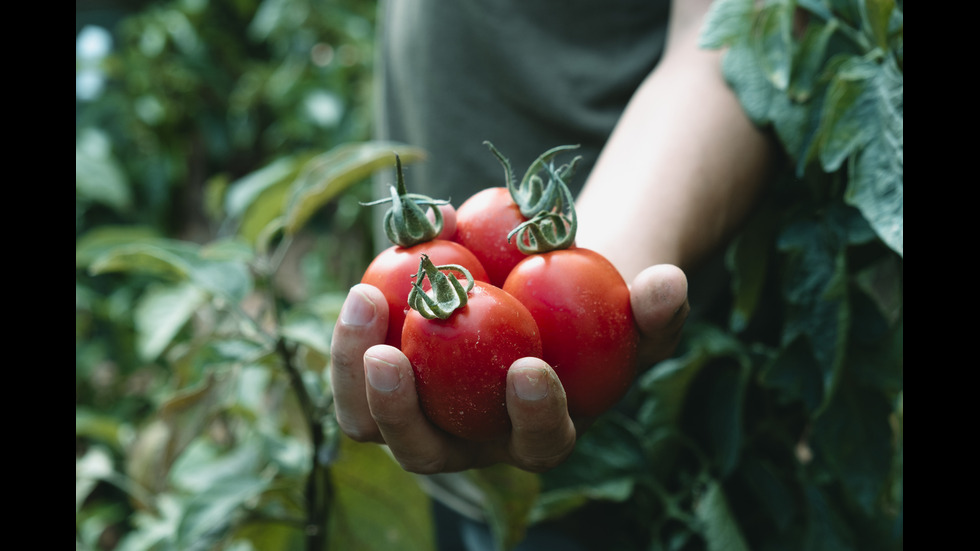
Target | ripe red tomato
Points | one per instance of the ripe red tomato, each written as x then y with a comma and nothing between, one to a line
581,304
392,272
482,224
461,363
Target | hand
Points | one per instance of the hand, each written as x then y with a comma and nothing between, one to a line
375,399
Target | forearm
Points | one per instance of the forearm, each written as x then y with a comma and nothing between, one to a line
681,169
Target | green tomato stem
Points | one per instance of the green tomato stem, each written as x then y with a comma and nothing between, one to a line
406,223
448,294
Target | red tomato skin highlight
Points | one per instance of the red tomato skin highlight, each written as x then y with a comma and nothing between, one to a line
482,224
582,307
394,269
461,363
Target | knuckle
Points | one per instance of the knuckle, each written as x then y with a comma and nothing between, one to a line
359,431
426,464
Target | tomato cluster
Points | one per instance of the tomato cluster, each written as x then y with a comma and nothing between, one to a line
526,290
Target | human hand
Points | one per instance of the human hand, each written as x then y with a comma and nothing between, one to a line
376,401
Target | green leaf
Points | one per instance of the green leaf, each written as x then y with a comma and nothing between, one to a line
877,15
603,466
747,259
99,176
328,175
810,58
102,240
814,284
794,372
210,513
825,530
245,191
876,179
161,313
720,527
509,495
259,199
377,505
726,22
713,411
772,42
853,438
851,115
159,257
743,72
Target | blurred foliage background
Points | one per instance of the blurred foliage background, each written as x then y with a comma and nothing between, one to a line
193,118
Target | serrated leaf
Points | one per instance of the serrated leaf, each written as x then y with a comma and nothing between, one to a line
328,175
726,22
161,313
876,179
810,59
746,77
850,112
377,506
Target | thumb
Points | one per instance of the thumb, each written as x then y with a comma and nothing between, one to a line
658,296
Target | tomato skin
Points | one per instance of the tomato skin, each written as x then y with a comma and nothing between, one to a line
482,224
393,271
581,304
461,363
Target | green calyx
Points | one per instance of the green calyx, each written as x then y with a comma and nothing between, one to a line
534,195
447,295
550,229
406,223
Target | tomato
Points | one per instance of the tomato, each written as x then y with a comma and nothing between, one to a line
461,362
482,224
392,270
581,305
485,219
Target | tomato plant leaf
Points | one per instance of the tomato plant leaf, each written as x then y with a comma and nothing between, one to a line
744,74
726,22
772,42
876,185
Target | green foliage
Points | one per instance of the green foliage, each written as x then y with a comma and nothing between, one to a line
216,169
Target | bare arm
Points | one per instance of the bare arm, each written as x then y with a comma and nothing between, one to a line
682,167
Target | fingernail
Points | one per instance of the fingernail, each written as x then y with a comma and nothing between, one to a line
531,383
381,375
357,310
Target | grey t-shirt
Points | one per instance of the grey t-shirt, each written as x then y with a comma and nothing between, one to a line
527,75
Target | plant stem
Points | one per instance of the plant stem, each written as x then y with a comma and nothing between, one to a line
318,490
